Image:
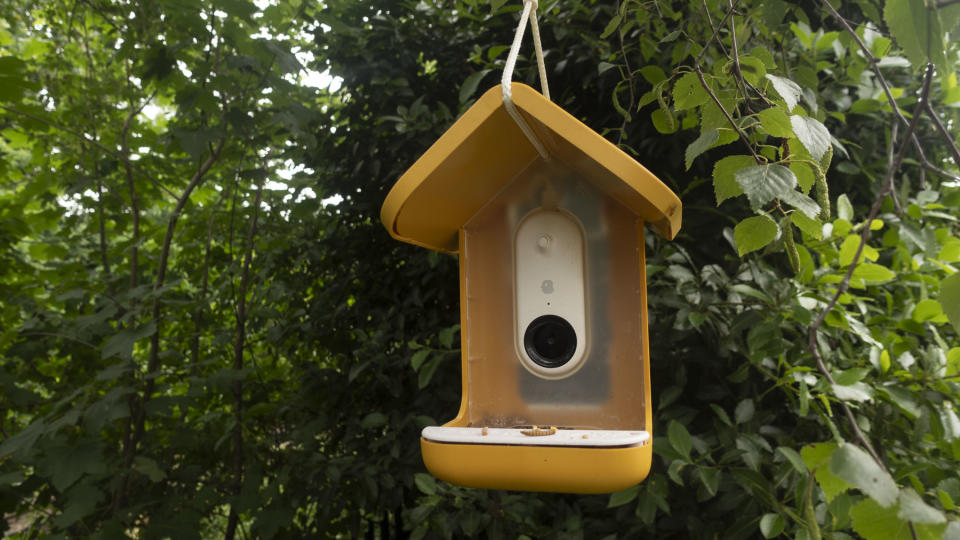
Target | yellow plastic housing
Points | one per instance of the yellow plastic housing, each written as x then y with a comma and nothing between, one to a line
538,468
484,151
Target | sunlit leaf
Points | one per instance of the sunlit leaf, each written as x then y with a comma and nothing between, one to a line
754,233
763,183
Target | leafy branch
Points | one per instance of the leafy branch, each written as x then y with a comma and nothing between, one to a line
845,284
875,67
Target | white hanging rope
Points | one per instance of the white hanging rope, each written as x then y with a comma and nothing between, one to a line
529,12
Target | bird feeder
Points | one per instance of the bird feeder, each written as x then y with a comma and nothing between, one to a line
555,364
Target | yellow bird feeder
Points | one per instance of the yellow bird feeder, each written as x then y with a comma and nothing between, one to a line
547,219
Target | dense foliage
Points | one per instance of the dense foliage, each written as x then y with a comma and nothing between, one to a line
206,331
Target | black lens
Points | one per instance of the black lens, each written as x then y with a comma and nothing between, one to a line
550,341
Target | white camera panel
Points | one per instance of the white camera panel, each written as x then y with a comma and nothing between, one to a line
550,282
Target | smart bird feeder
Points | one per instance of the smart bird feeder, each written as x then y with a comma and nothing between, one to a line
555,364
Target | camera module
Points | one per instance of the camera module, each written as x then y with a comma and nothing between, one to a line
550,341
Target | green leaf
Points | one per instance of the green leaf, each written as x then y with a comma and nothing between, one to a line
771,525
426,483
445,337
663,121
679,439
725,183
902,398
722,414
926,310
429,368
286,60
196,142
873,273
653,74
853,392
13,79
817,459
611,26
418,357
788,90
793,457
916,29
912,508
710,478
622,497
688,92
81,501
849,247
844,208
121,343
763,183
701,145
776,122
801,202
148,468
851,376
470,84
373,420
949,299
810,226
603,67
874,522
812,133
754,233
860,470
752,69
953,363
69,463
744,411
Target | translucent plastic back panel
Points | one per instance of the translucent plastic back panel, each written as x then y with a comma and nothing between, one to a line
607,391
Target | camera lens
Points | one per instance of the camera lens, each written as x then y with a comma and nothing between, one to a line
550,341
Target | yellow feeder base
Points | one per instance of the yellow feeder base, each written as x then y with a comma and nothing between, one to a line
538,468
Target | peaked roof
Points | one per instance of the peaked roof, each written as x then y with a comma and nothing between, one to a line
485,150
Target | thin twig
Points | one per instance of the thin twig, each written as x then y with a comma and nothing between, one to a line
737,74
713,96
890,157
238,345
716,31
626,64
706,11
943,132
845,284
716,100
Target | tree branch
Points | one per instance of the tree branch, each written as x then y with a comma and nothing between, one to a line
845,284
238,344
153,361
198,316
132,190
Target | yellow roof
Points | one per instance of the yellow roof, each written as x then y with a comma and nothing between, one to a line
485,150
